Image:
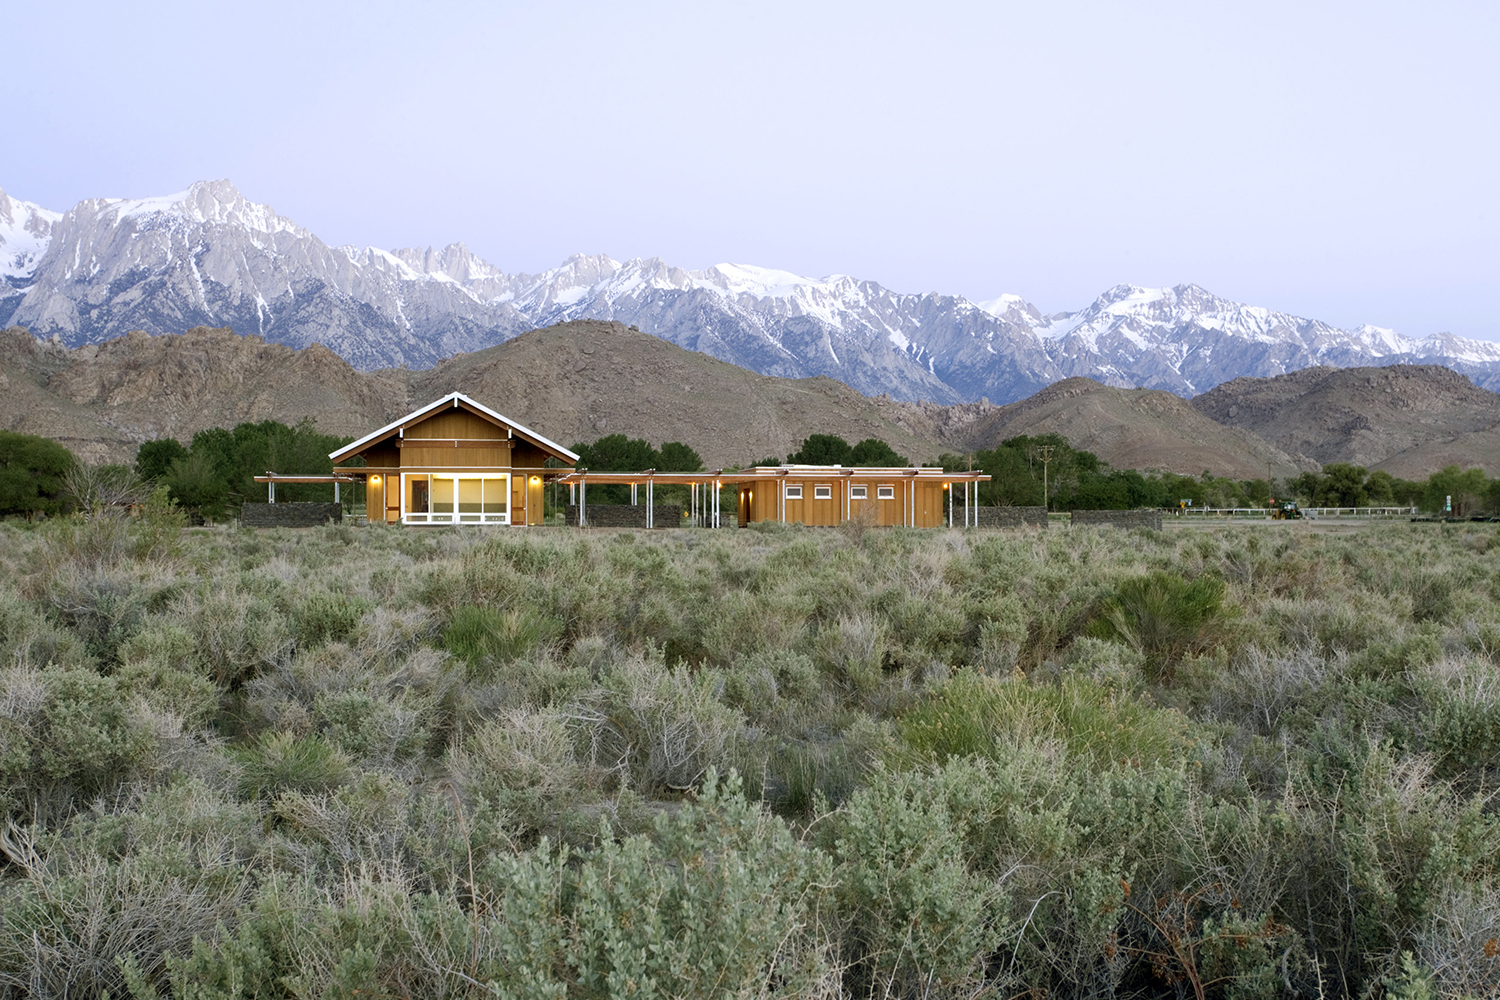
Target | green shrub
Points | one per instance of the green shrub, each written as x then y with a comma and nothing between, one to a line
27,637
281,762
138,889
853,653
235,633
323,617
917,915
1164,617
67,736
976,715
527,764
484,637
661,729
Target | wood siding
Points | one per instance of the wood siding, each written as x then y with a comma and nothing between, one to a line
761,501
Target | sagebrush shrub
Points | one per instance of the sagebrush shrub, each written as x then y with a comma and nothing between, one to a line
660,728
1165,617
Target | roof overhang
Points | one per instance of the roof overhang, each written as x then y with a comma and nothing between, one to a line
766,473
452,400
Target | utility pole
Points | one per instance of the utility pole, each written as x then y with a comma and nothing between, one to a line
1046,453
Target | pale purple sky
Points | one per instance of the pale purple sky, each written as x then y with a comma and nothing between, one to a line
1335,160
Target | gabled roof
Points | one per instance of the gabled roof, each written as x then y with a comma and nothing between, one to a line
452,399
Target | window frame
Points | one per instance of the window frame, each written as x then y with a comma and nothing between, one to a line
500,482
885,492
793,491
860,492
822,492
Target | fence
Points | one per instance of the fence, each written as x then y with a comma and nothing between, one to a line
1260,513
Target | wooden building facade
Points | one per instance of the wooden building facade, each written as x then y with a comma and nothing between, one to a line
454,461
832,494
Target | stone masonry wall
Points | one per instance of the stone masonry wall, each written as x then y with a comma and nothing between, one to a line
612,515
290,515
1120,518
1006,517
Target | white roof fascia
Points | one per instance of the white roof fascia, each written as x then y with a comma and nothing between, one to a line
452,397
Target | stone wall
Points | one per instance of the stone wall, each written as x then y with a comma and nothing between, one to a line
621,515
1006,517
1120,518
290,515
1003,517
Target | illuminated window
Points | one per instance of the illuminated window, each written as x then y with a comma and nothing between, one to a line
885,493
440,499
794,493
822,492
859,493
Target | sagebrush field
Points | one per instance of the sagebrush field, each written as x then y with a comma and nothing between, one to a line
1232,762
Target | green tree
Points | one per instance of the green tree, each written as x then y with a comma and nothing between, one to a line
1257,492
196,484
873,452
822,449
1468,487
1382,487
1342,485
32,474
153,460
678,457
617,453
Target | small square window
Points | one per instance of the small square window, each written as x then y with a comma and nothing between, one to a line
822,492
885,493
859,493
794,493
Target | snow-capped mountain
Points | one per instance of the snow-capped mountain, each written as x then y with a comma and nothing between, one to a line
25,230
208,256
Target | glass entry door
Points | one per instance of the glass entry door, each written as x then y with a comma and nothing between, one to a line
455,499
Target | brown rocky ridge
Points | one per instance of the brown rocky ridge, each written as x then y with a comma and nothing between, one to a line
1409,420
1137,429
581,380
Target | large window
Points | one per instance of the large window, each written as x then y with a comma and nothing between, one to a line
454,499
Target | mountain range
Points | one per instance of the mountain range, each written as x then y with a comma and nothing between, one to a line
208,256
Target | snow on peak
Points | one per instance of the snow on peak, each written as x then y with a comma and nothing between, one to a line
760,282
25,231
204,202
1002,305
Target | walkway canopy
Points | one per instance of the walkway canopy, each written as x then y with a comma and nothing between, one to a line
810,494
272,478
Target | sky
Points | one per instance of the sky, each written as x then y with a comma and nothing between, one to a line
1333,160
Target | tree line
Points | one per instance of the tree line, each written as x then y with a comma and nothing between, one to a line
1021,467
215,473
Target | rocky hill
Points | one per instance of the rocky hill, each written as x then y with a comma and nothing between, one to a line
581,380
102,401
576,381
1136,429
1407,419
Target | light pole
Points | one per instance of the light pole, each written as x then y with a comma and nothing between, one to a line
1046,452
